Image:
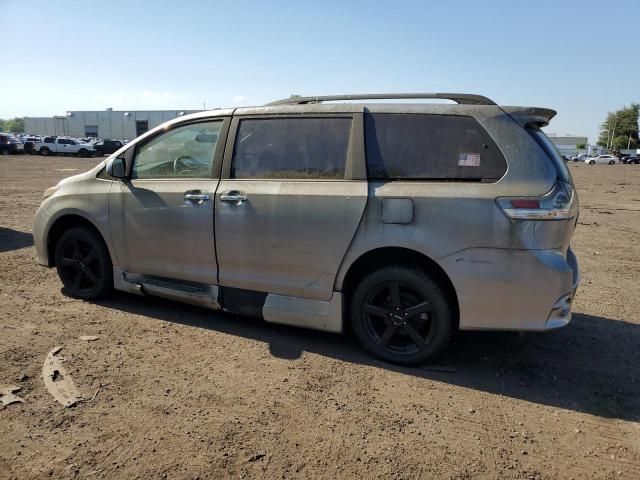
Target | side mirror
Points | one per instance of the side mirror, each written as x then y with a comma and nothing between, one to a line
117,168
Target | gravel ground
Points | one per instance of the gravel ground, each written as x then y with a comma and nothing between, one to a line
174,391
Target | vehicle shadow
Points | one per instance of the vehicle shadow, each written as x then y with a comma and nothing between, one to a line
14,240
591,366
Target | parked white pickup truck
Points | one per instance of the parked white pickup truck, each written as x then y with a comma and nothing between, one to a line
63,146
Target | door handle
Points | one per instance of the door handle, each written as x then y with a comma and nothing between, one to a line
196,196
234,197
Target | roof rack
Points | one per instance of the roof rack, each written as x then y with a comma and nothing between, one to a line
461,98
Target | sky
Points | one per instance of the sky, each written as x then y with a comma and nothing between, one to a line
577,57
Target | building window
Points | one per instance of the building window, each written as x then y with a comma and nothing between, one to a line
142,126
90,130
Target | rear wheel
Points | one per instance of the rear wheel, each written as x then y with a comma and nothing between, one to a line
592,162
83,264
5,151
612,162
400,315
44,152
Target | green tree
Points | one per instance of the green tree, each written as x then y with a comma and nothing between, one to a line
1,125
581,146
14,126
619,127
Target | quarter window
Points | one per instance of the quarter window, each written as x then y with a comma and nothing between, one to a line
430,147
184,152
291,148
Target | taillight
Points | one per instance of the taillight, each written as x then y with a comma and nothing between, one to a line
555,205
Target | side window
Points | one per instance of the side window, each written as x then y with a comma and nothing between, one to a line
291,148
184,152
430,147
49,140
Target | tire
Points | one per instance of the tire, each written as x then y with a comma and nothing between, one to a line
5,151
400,315
83,152
45,152
83,264
592,162
612,162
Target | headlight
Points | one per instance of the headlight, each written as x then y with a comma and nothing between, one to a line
49,191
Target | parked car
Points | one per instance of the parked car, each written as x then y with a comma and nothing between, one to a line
406,222
10,144
107,147
603,159
632,159
64,146
30,143
580,157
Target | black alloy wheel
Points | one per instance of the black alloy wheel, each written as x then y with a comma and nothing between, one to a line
83,264
399,314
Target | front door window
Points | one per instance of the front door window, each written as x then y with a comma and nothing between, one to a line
184,152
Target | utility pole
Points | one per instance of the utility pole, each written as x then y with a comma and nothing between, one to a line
629,142
613,133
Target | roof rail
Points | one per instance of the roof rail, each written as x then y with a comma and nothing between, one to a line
461,98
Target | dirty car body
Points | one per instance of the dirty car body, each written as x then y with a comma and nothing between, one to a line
408,221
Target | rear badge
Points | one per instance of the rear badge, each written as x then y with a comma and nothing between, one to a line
469,160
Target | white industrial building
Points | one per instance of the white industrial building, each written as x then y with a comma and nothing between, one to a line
568,144
103,124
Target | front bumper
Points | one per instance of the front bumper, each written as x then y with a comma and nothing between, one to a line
40,237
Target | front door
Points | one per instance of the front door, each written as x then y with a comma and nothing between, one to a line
162,217
288,206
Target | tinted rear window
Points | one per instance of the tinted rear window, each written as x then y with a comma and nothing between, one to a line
553,153
291,148
430,147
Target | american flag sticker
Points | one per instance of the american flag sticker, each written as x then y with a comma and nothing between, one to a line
469,160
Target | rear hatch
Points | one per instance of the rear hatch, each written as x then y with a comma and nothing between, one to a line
555,214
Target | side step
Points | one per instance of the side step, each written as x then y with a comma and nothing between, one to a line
193,293
201,295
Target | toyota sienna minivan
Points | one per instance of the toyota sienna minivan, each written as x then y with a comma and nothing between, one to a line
404,222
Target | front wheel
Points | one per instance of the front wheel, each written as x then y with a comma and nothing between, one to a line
592,162
83,264
83,152
400,315
5,151
612,162
44,152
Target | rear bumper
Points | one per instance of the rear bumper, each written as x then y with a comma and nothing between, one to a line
503,289
560,315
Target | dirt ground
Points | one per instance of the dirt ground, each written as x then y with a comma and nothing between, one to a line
174,391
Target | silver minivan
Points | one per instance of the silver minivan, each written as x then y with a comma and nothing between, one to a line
404,222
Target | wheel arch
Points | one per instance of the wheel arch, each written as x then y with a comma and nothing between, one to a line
64,223
384,256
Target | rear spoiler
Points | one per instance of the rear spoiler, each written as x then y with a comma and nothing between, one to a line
530,116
